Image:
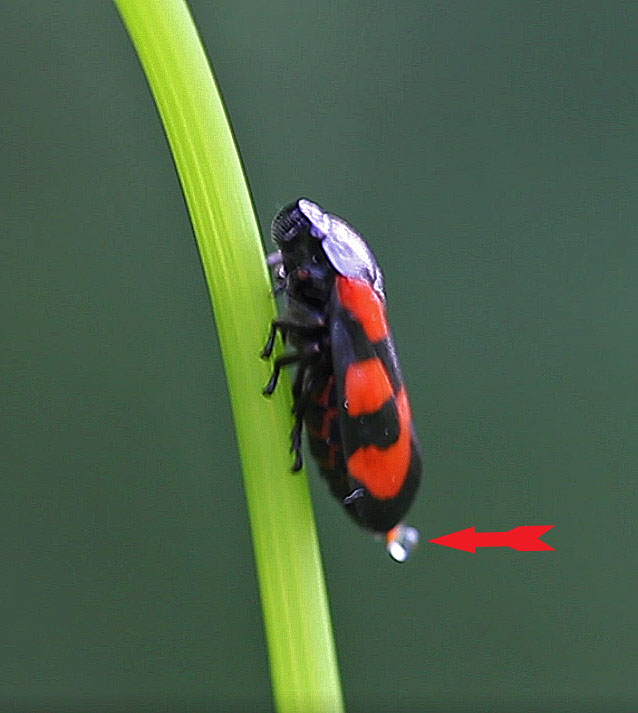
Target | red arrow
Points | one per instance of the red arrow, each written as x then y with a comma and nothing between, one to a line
524,539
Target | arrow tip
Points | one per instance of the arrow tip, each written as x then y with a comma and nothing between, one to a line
461,540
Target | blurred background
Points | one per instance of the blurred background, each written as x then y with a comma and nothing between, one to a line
488,153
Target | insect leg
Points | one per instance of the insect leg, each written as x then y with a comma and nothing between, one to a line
280,362
270,343
301,391
302,358
275,258
295,322
298,385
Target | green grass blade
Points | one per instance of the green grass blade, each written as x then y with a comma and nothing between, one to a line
298,631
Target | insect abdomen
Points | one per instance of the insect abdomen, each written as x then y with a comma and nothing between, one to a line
324,435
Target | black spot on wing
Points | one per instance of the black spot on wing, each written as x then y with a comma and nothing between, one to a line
380,428
387,354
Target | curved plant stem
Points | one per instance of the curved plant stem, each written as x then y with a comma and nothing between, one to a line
298,631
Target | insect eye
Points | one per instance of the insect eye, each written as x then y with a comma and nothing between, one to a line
289,225
303,274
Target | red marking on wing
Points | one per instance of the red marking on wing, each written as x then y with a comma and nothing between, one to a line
326,423
332,455
324,398
358,297
367,387
383,470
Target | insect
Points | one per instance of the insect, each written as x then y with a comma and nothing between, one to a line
348,390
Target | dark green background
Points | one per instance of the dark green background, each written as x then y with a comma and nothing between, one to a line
488,151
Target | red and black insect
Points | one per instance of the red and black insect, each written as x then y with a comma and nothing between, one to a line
348,389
